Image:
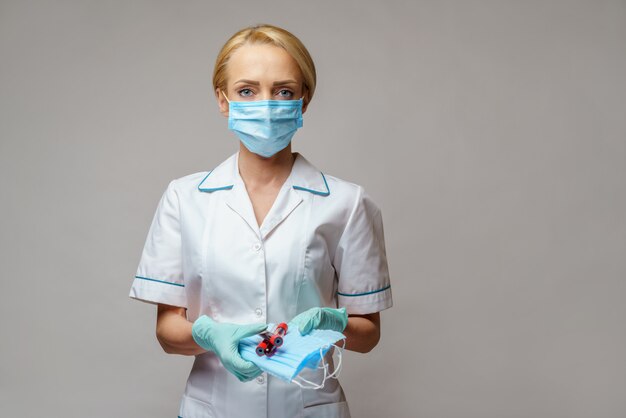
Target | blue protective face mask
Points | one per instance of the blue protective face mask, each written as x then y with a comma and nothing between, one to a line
296,353
265,126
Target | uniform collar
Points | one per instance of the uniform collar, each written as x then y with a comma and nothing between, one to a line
304,176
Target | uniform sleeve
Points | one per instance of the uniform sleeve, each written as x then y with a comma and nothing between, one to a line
159,277
361,262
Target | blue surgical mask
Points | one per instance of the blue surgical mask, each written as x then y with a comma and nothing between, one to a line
265,126
296,353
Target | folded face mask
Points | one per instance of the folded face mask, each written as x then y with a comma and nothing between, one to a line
296,353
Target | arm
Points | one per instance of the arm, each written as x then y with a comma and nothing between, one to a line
173,331
362,332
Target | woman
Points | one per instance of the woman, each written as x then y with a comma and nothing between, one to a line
263,237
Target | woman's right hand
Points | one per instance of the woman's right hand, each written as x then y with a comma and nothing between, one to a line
223,339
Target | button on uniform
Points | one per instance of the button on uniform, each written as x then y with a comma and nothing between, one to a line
258,312
256,247
260,380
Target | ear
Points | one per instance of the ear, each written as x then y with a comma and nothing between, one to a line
305,100
222,103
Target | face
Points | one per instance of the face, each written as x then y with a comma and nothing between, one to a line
261,72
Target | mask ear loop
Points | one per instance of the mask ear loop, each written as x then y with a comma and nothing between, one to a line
224,94
313,385
333,375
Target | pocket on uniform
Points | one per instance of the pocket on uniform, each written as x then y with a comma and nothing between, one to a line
194,408
328,410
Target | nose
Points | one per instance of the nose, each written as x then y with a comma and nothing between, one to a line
265,95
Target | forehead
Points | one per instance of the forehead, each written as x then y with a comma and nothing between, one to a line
262,62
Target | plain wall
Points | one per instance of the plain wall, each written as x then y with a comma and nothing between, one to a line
492,134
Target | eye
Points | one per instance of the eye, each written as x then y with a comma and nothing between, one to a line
245,92
285,93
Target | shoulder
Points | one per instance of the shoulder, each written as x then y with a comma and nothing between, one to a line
185,184
221,176
342,189
344,195
189,181
306,173
350,194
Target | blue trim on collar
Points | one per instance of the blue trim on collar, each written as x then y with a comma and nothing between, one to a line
213,189
365,293
159,281
326,193
316,192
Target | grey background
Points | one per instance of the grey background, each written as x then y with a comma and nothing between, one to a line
491,134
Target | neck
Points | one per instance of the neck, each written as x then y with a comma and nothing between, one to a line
260,172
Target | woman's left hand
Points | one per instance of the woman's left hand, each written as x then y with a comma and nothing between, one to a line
320,318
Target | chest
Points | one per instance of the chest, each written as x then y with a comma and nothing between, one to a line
262,201
239,272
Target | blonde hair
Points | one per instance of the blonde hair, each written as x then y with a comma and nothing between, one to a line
266,34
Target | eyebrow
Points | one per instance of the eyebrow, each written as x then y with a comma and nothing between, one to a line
275,83
283,82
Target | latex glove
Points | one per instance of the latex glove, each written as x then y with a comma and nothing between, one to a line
320,318
223,340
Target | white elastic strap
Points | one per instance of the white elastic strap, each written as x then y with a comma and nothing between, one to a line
334,375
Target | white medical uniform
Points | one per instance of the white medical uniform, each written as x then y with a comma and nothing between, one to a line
321,244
